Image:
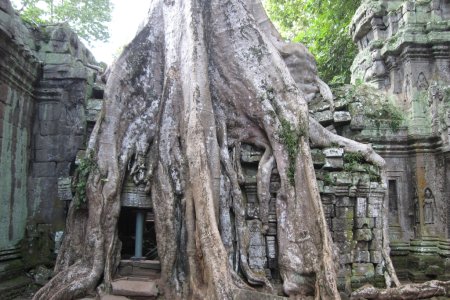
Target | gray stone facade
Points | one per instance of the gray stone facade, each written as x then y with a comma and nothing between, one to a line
50,94
404,53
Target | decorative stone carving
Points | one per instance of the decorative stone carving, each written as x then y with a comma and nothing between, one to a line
138,170
422,83
65,188
428,207
257,246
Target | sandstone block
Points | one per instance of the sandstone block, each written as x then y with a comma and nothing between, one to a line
333,163
345,201
376,257
324,117
363,235
345,212
44,169
342,117
361,256
342,224
342,236
134,288
333,152
361,223
363,269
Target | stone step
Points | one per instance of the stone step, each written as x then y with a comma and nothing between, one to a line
10,289
240,294
149,269
134,288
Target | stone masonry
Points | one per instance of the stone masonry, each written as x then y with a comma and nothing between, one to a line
50,95
404,53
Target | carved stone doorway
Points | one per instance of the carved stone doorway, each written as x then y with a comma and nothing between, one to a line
127,233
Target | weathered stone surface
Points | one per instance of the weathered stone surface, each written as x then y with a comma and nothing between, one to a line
345,201
342,117
134,288
376,257
257,246
342,224
240,294
364,223
361,207
318,158
361,256
363,269
324,117
345,212
65,188
333,163
43,87
342,236
42,275
363,235
333,152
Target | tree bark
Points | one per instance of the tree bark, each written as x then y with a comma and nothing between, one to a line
200,79
415,291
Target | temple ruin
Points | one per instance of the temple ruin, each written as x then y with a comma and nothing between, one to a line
51,94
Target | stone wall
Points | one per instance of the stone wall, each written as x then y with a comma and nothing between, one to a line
404,54
50,94
352,192
19,72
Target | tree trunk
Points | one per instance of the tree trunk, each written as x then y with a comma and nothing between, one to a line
200,79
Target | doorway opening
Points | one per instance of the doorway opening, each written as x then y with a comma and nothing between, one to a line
131,236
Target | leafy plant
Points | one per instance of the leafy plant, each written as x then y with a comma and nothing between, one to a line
290,137
88,18
352,160
322,25
85,167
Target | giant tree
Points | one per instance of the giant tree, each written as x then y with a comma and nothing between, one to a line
200,79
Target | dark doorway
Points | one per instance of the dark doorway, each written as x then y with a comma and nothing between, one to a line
127,232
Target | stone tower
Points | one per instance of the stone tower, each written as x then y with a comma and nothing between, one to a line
404,52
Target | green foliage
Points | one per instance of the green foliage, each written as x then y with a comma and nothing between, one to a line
353,160
322,25
328,179
290,138
373,104
387,114
84,168
88,18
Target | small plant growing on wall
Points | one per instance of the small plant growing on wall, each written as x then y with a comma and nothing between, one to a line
86,166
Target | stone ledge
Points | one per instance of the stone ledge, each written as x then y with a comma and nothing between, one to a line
134,288
241,294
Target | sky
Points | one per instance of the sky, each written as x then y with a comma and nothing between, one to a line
126,18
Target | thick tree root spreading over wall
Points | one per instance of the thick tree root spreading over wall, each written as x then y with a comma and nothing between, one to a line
425,290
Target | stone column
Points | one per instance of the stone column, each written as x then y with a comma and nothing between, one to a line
139,235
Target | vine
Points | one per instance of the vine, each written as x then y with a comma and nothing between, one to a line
86,165
290,138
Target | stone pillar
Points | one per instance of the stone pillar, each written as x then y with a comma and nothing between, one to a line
139,235
441,54
399,256
424,262
444,253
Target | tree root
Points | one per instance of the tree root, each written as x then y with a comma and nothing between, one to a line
429,289
324,138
